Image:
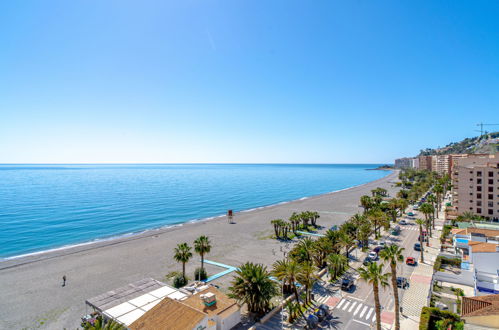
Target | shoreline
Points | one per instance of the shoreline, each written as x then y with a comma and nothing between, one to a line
111,240
32,291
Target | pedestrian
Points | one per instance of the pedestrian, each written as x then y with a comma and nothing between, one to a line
64,280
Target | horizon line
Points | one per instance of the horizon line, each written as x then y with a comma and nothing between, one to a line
200,163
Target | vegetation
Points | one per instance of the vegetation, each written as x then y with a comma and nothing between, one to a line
179,281
479,144
252,286
373,275
433,318
200,274
202,246
182,254
440,260
100,324
420,223
393,255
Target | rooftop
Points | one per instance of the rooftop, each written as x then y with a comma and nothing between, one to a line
477,247
223,302
480,306
169,314
469,230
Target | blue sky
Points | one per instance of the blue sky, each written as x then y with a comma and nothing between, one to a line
243,81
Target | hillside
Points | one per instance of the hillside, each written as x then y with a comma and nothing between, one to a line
486,144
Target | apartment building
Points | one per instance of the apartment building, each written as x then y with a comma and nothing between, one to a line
475,181
405,162
425,163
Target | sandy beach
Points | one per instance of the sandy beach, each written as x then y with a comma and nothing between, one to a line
32,292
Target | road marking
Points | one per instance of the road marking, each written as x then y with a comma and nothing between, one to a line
352,306
355,298
346,306
357,310
364,323
341,303
369,314
363,311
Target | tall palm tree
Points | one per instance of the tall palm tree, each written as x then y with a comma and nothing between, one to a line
322,247
306,248
420,223
366,203
333,237
439,190
373,274
287,272
306,277
337,264
393,255
295,221
347,242
427,209
252,285
432,200
202,246
182,254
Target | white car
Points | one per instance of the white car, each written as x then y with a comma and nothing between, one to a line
402,222
373,255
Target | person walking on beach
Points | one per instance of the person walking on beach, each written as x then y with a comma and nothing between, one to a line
64,280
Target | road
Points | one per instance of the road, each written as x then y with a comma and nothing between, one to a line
356,309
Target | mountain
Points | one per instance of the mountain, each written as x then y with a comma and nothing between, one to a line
485,144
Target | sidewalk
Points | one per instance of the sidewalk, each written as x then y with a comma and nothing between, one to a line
416,296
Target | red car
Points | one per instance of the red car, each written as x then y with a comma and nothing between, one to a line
410,261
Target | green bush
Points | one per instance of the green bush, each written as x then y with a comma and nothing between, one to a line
200,274
179,281
439,261
431,316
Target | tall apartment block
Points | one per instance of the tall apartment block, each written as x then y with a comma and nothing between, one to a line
475,181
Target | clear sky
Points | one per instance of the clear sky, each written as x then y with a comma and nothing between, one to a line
243,81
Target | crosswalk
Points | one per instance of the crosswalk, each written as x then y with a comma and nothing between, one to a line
415,228
358,310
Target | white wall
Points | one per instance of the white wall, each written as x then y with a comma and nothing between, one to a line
487,262
231,321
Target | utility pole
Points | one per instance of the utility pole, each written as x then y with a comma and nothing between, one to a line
482,125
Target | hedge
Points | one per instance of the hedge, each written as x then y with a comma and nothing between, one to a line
430,315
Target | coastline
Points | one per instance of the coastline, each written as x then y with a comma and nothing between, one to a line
32,285
104,241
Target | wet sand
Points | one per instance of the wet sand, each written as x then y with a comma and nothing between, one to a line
31,287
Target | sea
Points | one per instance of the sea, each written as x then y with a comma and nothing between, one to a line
45,207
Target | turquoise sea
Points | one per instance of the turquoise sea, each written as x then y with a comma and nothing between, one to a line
51,206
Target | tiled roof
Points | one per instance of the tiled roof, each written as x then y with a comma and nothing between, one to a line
469,230
480,306
482,246
223,302
169,314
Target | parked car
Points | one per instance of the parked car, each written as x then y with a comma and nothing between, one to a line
347,284
377,249
410,214
373,256
367,261
396,230
402,282
415,208
410,261
403,222
382,244
417,246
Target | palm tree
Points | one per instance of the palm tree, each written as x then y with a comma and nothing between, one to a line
432,200
427,210
295,221
100,324
322,247
306,248
333,237
307,278
372,274
347,242
393,255
366,203
287,272
182,254
252,285
202,246
420,223
438,189
337,264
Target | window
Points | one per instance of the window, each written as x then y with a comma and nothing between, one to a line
479,196
479,188
478,210
491,181
478,181
490,204
491,189
491,211
479,173
478,203
491,174
491,196
471,179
